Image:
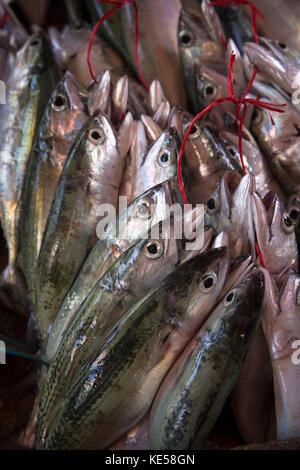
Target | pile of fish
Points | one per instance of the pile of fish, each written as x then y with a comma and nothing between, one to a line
142,336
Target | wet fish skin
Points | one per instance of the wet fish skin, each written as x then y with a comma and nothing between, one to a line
158,49
196,47
90,178
255,161
206,157
195,389
70,49
28,87
132,224
280,143
210,86
64,116
131,277
139,349
275,233
158,164
280,322
281,20
111,28
277,63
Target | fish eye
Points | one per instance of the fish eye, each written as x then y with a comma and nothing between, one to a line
232,151
282,45
294,215
208,282
287,224
96,136
59,103
164,158
209,90
186,38
143,209
229,299
212,205
195,131
35,42
153,249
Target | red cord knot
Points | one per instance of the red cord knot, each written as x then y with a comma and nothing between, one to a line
234,99
255,12
3,19
117,5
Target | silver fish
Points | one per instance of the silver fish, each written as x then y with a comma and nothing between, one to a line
197,386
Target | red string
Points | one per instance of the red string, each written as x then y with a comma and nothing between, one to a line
238,101
234,99
117,4
258,251
254,11
3,19
223,40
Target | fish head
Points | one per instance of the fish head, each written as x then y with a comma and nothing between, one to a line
36,55
147,210
194,42
210,84
243,305
197,283
275,233
160,253
66,113
99,143
275,61
219,204
68,42
160,161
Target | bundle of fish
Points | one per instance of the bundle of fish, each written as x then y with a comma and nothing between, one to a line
140,340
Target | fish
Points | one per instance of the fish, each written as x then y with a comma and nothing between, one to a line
206,157
197,48
70,48
64,116
195,390
158,164
136,439
212,85
143,266
28,88
140,348
281,20
139,146
277,62
279,142
236,24
254,160
275,234
90,180
252,398
133,222
158,48
228,208
111,28
280,320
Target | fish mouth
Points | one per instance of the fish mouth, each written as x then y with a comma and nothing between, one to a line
272,205
264,57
